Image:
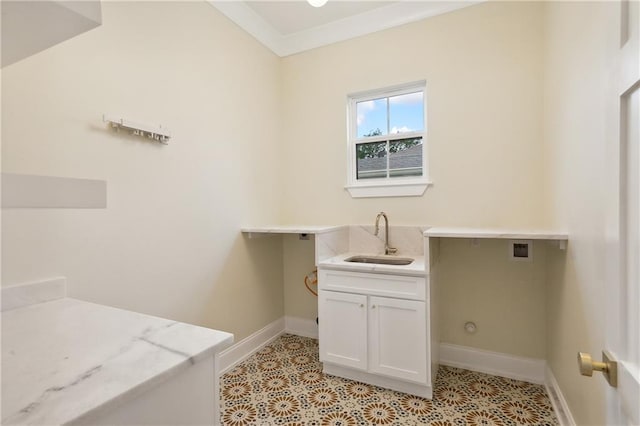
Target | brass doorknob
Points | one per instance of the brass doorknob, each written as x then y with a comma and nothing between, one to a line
608,366
587,364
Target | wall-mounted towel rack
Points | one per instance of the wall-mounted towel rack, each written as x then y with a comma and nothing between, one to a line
157,133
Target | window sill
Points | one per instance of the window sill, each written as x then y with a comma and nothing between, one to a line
400,189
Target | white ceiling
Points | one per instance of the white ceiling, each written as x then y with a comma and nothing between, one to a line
29,27
292,26
289,17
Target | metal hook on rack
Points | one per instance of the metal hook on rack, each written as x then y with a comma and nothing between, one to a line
156,133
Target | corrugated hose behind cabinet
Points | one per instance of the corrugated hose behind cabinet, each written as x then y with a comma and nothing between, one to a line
310,280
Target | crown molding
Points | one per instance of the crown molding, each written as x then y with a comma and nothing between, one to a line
383,18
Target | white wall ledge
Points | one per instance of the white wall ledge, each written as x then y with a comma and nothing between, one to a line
531,234
252,231
388,189
32,191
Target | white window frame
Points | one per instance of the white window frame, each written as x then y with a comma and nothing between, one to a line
384,187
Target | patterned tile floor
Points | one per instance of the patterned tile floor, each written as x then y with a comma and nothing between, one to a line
283,384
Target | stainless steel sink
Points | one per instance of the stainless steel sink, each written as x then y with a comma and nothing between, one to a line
380,260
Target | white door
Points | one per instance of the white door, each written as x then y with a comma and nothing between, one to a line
623,307
398,338
342,329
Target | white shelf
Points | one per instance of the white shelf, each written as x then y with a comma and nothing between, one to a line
254,231
32,191
509,234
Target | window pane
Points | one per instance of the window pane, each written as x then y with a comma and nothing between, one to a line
406,113
371,160
372,117
405,158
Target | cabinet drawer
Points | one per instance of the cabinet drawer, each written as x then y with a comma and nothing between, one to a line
399,286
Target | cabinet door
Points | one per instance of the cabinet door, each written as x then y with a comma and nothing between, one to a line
342,321
398,338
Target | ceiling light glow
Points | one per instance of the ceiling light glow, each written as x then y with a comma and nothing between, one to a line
317,3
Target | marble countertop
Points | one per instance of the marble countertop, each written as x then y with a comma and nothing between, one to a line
290,229
66,360
415,268
438,231
495,233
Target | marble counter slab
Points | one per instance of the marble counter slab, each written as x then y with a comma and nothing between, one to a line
290,229
495,233
415,268
66,360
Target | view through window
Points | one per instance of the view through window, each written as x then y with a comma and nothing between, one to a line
388,132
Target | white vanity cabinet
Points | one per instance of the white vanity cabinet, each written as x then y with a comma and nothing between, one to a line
374,328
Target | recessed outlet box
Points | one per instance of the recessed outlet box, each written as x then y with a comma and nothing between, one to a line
521,250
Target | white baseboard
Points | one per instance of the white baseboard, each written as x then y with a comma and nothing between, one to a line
498,364
560,407
246,347
301,327
243,349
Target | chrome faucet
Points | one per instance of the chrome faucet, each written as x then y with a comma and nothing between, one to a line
387,248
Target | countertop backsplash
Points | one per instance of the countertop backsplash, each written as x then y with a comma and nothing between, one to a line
409,240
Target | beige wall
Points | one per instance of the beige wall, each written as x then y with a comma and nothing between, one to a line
299,260
482,65
579,40
169,242
505,298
